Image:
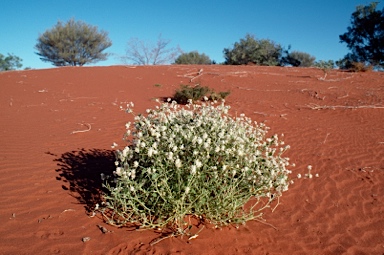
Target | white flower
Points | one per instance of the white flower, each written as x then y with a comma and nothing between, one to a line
114,145
118,171
150,152
199,140
187,189
178,163
193,169
132,189
198,163
125,151
309,167
135,164
298,176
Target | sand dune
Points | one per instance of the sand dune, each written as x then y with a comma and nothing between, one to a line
57,126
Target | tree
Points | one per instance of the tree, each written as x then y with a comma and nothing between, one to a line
74,43
365,35
193,58
11,62
146,53
253,51
300,59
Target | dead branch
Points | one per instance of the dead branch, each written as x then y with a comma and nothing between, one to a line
82,131
333,107
200,73
326,138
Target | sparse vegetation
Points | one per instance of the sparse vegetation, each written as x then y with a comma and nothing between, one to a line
74,43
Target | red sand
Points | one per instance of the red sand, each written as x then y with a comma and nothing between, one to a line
49,175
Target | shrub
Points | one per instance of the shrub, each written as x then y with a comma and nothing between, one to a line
347,63
10,62
253,51
193,58
325,65
196,161
197,92
298,58
360,67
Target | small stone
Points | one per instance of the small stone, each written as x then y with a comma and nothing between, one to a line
86,239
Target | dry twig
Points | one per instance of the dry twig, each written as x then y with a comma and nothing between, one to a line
82,131
333,107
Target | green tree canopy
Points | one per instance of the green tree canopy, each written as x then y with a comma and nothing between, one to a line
74,43
11,62
253,51
365,35
193,58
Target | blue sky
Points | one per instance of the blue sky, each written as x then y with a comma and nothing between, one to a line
208,26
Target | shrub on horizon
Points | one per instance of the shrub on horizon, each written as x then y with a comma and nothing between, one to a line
193,58
194,161
250,50
299,59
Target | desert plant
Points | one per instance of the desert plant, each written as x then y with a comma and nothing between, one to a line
360,67
347,63
197,92
74,43
299,59
198,161
193,58
322,64
253,51
11,62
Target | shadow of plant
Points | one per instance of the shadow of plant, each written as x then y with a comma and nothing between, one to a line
82,170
